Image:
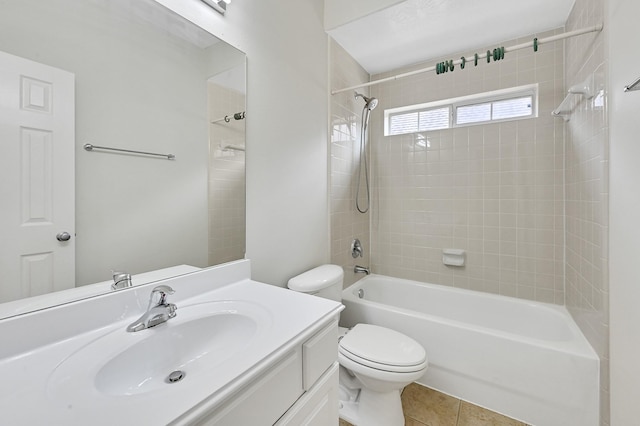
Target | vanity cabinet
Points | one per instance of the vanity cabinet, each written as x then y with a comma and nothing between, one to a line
298,388
252,354
318,406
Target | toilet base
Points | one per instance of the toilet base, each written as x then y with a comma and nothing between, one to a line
348,404
364,407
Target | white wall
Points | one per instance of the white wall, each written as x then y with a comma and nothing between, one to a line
624,212
287,216
339,12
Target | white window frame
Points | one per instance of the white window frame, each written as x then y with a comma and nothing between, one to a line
478,98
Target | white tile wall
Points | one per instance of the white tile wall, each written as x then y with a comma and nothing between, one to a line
226,177
346,222
499,191
587,188
493,190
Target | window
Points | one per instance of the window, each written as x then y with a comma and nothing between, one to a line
501,105
420,121
468,114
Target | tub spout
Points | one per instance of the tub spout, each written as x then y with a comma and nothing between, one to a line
361,269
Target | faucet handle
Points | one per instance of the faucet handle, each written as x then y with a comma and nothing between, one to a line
121,280
356,248
117,276
163,291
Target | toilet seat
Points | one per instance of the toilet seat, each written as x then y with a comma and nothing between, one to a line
382,349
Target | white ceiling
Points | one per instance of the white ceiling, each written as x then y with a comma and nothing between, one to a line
414,31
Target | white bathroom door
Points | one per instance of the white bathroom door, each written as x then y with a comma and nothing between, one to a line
37,172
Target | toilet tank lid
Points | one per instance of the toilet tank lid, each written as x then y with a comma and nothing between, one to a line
316,279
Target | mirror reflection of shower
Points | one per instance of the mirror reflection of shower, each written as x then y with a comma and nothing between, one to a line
369,105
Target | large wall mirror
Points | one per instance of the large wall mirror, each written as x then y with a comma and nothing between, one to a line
124,74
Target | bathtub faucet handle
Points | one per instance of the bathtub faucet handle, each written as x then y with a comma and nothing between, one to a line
356,248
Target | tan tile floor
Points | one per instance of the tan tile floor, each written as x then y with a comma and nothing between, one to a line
426,407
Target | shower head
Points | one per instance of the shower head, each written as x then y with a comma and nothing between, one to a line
370,103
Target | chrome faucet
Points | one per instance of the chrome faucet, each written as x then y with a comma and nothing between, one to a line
157,312
359,269
356,248
121,280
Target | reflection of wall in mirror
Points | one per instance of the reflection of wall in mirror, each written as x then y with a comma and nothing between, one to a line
226,167
138,87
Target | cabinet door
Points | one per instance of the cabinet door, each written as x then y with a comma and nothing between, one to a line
317,407
318,354
263,401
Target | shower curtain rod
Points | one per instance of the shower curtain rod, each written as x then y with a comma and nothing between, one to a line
472,58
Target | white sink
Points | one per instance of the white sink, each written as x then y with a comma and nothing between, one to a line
201,337
83,367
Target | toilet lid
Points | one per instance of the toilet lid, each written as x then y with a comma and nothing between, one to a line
381,345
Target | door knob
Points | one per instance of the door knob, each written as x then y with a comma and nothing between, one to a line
63,236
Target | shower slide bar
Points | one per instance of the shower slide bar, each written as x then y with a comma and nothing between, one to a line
472,58
90,147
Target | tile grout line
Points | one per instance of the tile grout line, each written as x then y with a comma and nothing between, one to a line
458,413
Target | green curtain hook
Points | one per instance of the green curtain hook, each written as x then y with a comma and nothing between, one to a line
502,52
475,62
462,62
488,56
535,44
450,65
495,55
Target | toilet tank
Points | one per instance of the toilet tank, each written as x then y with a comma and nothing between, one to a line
324,281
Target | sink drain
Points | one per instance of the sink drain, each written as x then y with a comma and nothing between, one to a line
176,376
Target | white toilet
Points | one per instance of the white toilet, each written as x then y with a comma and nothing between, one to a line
375,362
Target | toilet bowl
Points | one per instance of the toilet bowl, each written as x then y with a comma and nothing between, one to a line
376,363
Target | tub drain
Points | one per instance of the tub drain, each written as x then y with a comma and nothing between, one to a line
360,293
176,376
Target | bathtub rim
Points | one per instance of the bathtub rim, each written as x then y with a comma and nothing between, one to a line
577,345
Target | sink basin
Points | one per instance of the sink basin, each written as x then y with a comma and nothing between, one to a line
200,338
145,365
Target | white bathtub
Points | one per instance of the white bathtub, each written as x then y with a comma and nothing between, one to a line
527,360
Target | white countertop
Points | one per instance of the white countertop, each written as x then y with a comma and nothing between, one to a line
38,387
